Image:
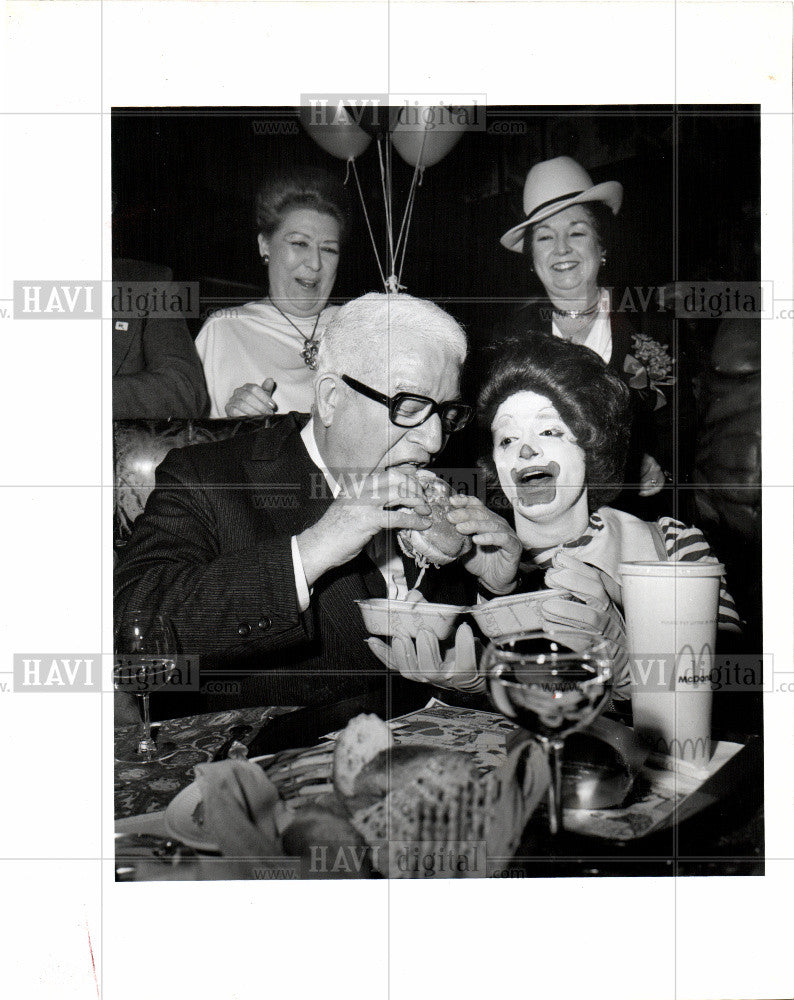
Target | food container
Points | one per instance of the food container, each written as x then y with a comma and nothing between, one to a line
383,616
515,613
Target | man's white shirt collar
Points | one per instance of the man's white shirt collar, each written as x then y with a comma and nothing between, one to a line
381,548
310,443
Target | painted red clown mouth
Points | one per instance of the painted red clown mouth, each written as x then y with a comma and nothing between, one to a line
536,484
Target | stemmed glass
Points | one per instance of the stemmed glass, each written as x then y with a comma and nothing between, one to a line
145,649
552,684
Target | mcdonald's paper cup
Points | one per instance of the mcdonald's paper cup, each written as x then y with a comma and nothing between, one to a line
671,626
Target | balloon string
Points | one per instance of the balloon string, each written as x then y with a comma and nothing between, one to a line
416,180
422,150
385,183
347,171
390,186
409,211
352,163
407,206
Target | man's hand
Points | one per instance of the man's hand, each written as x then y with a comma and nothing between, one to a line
497,549
252,400
422,661
387,500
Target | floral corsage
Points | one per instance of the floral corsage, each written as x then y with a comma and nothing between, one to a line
650,367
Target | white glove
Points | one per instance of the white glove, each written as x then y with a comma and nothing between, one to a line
592,611
421,660
561,615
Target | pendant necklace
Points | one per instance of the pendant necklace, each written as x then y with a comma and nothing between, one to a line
577,313
310,345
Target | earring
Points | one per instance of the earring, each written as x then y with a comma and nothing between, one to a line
603,259
265,259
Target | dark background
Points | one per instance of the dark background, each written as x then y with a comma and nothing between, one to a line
184,181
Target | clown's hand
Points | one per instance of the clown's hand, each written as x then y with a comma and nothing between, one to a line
589,609
561,615
567,572
421,660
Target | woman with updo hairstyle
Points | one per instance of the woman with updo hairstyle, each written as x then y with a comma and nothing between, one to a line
556,422
259,358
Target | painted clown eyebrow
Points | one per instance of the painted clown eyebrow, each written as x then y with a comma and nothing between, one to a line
510,419
546,411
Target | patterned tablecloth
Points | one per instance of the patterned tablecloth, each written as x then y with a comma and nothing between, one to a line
662,794
145,788
484,735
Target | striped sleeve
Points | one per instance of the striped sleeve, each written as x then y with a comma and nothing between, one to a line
685,544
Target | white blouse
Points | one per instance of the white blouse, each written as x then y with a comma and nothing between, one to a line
252,342
599,337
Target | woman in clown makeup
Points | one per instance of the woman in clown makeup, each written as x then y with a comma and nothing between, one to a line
558,425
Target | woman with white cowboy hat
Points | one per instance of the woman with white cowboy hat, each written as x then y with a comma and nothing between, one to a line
565,235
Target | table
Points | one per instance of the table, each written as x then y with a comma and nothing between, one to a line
724,838
146,788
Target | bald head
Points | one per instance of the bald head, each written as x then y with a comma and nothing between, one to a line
368,332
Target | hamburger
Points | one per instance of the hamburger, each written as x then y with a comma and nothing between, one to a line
441,543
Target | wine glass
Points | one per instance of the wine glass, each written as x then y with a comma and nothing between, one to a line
552,684
145,660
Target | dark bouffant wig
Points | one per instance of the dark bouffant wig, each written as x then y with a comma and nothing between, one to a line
592,401
302,187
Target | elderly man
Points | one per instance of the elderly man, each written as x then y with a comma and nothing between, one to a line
257,547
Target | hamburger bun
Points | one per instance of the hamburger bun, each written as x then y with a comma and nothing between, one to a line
441,543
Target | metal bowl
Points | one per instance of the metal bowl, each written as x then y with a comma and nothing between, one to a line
600,765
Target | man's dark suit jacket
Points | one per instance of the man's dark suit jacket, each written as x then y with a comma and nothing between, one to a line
157,373
212,551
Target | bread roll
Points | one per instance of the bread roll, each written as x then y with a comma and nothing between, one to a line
436,771
363,738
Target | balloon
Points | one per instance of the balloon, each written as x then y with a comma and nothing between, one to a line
424,135
334,130
376,120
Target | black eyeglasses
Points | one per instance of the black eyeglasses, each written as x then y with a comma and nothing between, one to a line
406,409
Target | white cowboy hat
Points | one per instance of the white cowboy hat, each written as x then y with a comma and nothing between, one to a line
552,186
